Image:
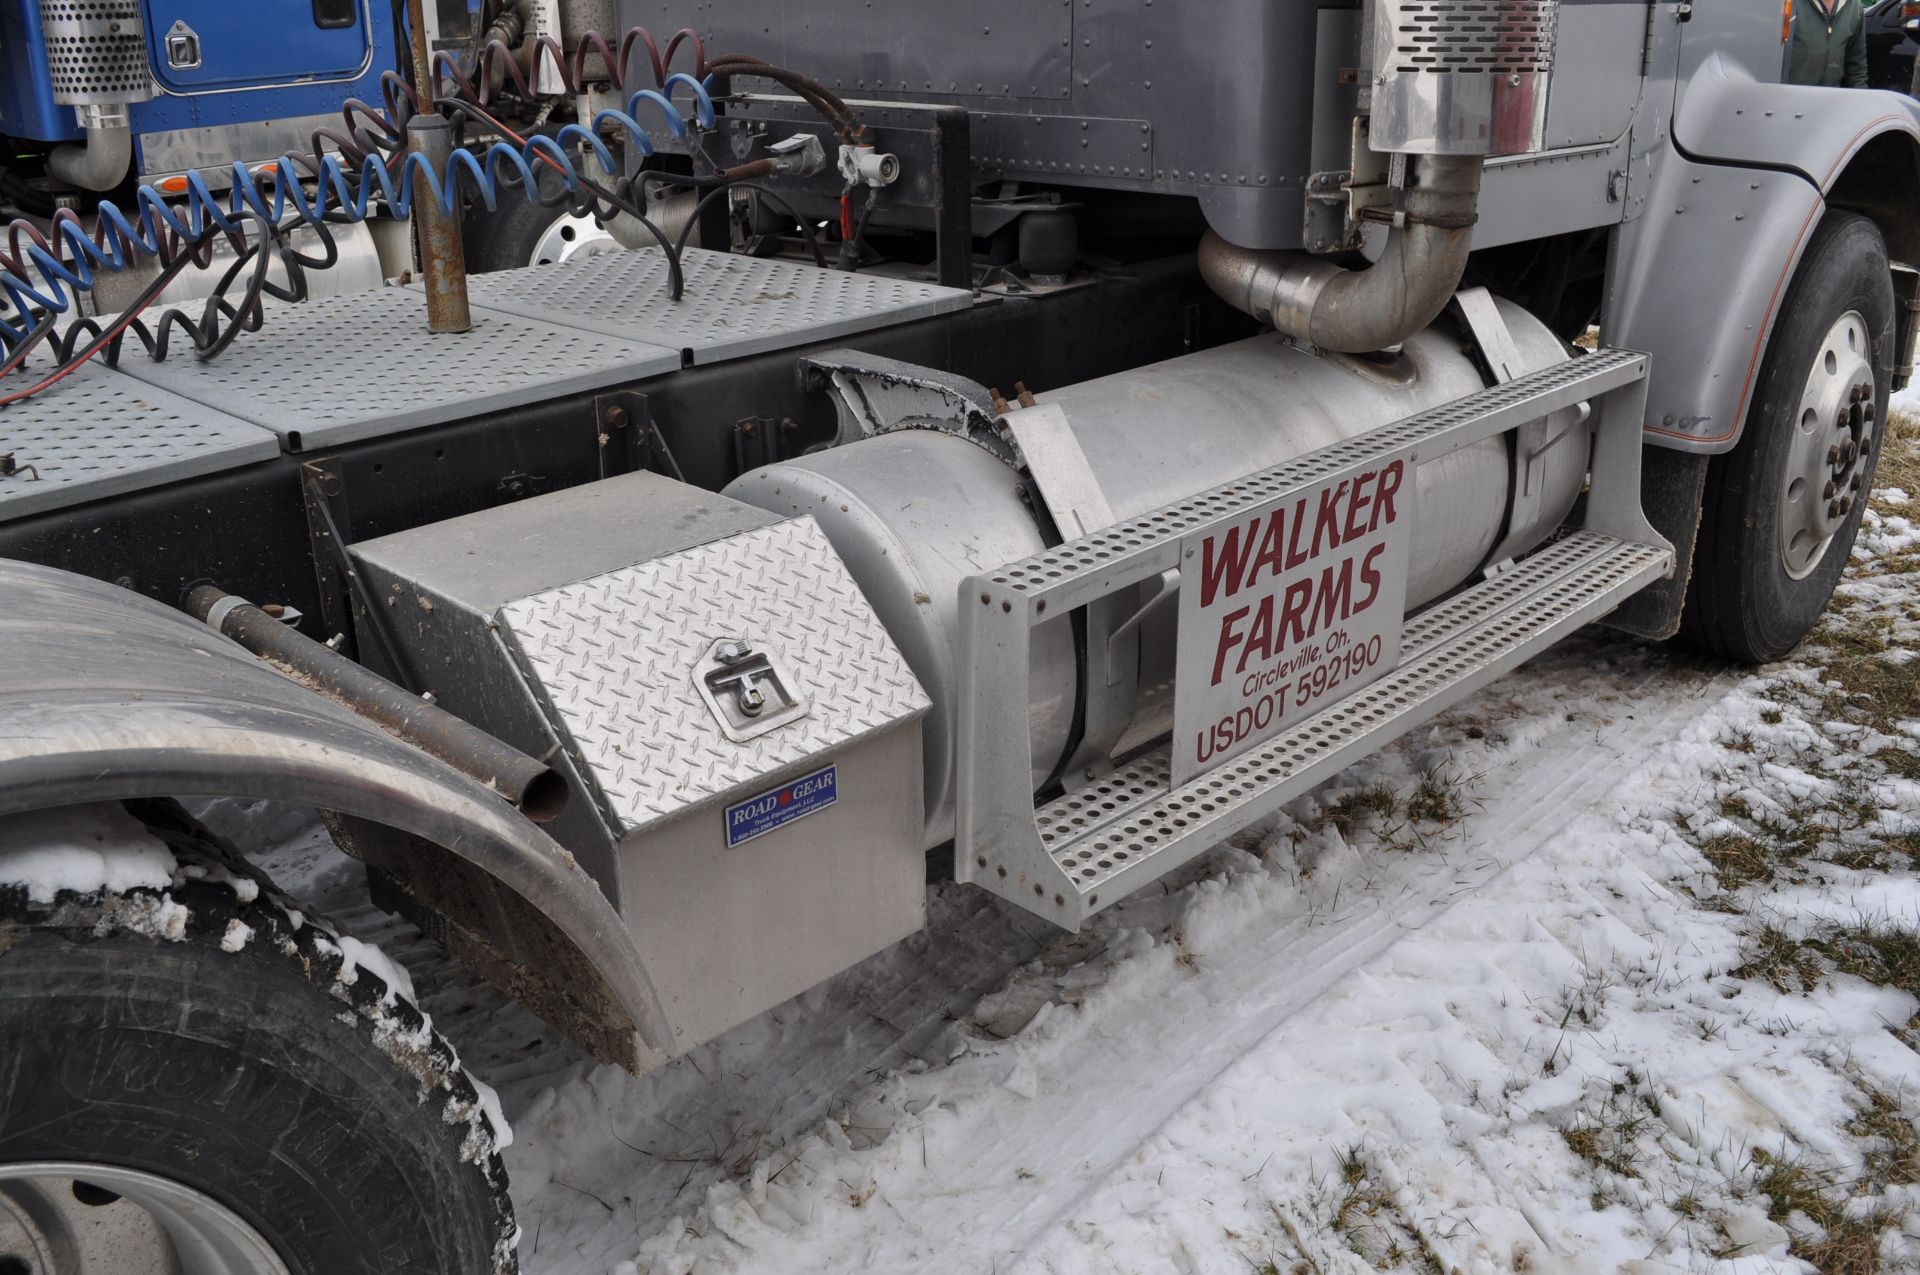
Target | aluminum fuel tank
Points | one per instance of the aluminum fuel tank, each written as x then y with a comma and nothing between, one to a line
916,512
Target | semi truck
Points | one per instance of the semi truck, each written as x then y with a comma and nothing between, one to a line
1077,430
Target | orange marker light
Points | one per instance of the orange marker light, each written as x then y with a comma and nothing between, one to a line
173,185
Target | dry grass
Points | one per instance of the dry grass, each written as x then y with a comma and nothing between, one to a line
1845,1242
1368,1220
1610,1137
1359,809
1738,859
1899,464
1783,961
1886,955
1890,1143
1871,687
1440,799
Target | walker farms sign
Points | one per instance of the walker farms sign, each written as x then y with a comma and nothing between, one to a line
1287,609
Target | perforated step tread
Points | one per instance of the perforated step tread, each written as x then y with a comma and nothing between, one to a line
1112,837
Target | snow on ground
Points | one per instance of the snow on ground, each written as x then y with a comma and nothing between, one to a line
1610,969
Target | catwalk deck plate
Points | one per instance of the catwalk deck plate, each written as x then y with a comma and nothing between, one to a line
98,433
338,369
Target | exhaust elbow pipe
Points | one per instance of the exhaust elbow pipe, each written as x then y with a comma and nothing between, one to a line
100,162
1359,311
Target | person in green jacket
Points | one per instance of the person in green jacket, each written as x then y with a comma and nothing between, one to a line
1829,43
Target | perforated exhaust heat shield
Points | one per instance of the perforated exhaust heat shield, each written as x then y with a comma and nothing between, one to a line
1462,77
96,51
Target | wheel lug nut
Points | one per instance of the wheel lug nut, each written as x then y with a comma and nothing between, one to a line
1846,506
1833,509
1853,395
1832,490
1833,454
1855,484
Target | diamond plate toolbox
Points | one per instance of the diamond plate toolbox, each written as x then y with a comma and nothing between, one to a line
617,656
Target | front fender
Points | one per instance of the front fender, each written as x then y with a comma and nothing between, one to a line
1724,116
1699,277
106,695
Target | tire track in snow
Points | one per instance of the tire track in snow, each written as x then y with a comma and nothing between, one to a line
1153,1037
602,1159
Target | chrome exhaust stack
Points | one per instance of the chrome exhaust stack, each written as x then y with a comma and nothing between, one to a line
1452,84
97,55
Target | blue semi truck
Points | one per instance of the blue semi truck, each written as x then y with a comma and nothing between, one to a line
99,96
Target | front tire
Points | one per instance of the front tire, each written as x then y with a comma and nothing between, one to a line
1782,508
209,1050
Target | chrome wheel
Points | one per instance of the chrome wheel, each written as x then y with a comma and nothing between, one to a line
1833,440
63,1218
573,235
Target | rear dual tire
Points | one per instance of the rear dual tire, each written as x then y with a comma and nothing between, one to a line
235,1071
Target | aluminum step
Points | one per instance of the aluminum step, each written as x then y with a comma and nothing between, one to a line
1088,849
1130,829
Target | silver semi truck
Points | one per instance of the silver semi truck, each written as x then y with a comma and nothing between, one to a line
1084,428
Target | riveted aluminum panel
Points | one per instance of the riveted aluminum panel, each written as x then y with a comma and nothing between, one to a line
1225,86
615,655
1031,145
984,48
732,305
335,370
98,433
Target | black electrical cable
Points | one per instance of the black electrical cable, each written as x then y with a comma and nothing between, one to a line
850,252
813,242
220,320
109,335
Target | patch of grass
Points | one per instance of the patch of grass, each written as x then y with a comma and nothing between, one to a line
1886,955
1358,809
1851,1245
1848,1244
1785,962
1610,1138
1738,859
1439,798
1791,1185
1891,1143
1368,1219
1899,464
1871,687
1902,763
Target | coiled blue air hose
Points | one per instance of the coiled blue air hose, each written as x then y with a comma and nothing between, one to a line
274,192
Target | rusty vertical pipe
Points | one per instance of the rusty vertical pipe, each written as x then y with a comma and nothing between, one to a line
443,258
